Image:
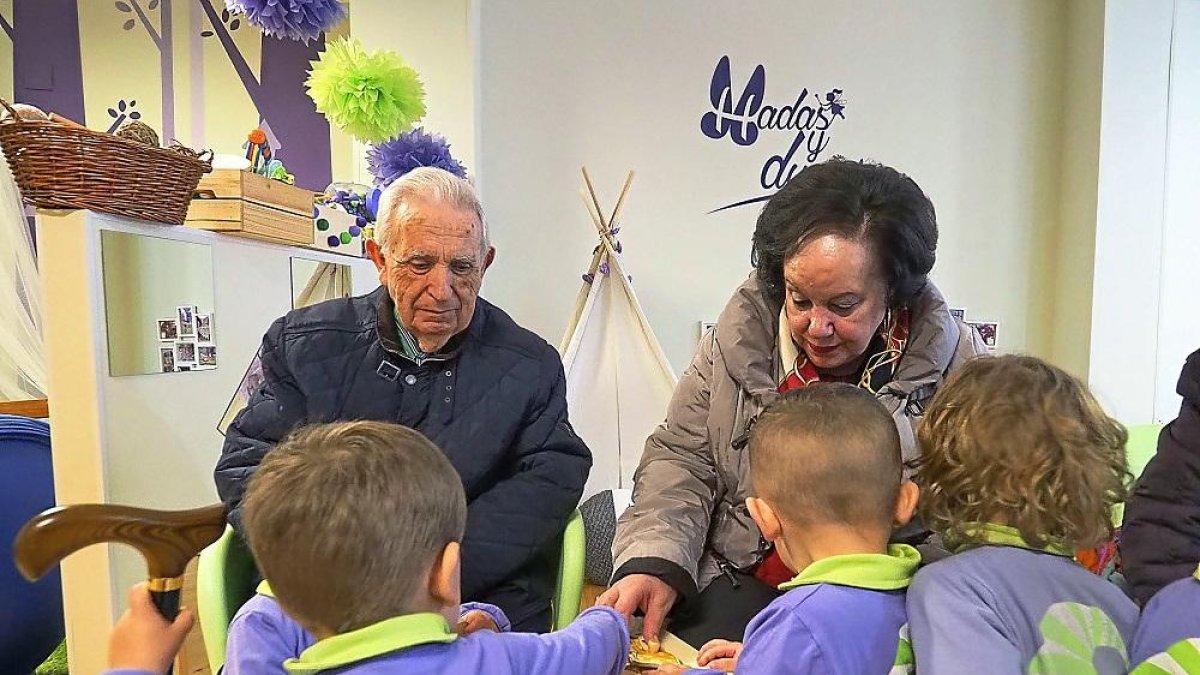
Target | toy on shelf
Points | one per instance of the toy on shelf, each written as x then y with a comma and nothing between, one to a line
343,218
258,150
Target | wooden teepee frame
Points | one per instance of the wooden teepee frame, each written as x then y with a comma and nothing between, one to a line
607,257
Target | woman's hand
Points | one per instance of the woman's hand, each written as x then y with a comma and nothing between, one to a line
719,655
143,639
645,592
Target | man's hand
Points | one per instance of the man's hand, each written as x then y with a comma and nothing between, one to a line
645,592
143,639
476,620
719,655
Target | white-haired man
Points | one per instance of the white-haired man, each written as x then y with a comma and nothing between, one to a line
425,351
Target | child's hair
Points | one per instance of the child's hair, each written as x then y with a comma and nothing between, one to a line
829,453
345,520
1016,441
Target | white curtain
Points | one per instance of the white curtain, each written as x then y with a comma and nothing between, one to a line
22,352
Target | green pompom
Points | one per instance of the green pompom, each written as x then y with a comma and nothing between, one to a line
346,237
373,96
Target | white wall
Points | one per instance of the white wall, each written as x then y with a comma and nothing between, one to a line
1137,255
1179,307
965,97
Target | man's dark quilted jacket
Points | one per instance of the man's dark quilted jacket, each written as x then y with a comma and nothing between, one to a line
496,407
1160,538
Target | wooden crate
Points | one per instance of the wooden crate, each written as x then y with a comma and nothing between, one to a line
249,205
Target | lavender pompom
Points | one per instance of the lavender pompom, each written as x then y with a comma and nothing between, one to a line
293,19
391,159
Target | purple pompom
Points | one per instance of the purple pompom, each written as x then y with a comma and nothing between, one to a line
392,159
293,19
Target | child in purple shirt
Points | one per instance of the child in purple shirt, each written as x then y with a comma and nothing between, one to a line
826,468
357,524
1168,634
262,637
1019,467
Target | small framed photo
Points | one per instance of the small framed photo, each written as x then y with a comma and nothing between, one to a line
206,356
168,329
958,313
987,330
187,320
185,353
204,328
166,356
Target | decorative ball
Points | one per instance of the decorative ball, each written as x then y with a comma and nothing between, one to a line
28,112
137,130
355,230
346,238
360,221
333,241
322,224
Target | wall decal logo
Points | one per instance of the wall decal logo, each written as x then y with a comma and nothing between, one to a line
746,118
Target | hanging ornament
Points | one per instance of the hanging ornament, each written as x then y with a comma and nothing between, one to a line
372,96
292,19
389,160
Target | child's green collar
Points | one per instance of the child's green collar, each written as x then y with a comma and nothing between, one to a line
992,534
377,639
875,571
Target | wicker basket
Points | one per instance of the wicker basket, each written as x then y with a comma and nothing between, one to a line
58,165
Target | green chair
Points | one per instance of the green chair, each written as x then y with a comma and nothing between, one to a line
1139,450
225,580
1141,446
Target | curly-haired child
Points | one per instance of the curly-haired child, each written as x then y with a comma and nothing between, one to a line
1019,467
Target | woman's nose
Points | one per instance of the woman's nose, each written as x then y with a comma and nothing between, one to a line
820,324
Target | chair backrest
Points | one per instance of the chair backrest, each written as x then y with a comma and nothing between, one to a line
31,622
568,591
225,580
1141,446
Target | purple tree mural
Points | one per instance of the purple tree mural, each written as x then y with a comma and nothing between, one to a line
283,106
47,69
162,40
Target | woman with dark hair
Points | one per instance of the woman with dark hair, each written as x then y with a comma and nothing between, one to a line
840,293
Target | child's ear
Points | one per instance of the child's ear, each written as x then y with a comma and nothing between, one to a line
764,516
444,577
906,502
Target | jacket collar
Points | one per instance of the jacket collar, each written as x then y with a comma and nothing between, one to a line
748,328
974,535
389,332
889,571
375,640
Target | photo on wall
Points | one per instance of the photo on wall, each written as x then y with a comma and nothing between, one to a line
168,329
204,328
166,357
206,356
185,353
187,320
987,330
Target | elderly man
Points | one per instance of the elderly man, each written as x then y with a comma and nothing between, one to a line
426,352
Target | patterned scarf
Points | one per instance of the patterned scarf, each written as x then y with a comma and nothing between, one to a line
884,354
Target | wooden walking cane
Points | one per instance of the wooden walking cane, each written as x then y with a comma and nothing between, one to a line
166,539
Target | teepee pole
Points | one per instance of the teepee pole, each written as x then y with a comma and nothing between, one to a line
612,220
